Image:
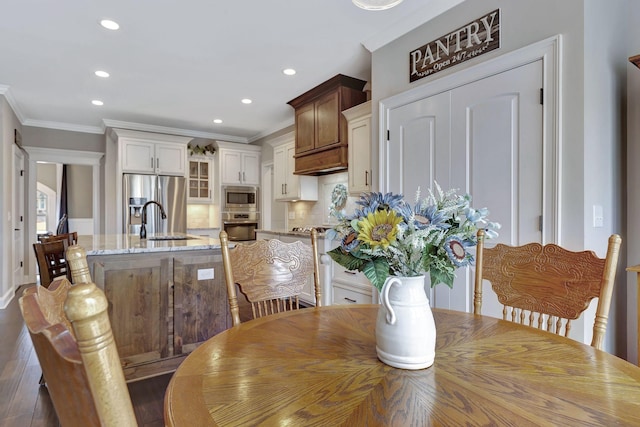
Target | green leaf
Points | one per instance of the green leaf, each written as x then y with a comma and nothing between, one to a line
438,276
346,260
377,271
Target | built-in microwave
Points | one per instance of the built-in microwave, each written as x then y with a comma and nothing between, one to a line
239,199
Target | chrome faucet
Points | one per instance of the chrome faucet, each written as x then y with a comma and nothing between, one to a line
143,227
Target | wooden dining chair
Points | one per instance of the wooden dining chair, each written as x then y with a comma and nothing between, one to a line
270,273
72,338
51,260
71,238
547,286
77,260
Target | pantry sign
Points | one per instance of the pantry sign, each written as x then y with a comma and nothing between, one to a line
474,39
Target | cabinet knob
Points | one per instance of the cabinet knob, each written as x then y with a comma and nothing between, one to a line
350,300
366,177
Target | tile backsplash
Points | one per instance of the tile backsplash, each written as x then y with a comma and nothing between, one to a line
302,214
203,216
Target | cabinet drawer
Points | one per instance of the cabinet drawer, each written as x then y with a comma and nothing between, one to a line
343,295
344,275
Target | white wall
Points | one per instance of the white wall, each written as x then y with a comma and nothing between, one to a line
8,122
633,176
592,82
605,62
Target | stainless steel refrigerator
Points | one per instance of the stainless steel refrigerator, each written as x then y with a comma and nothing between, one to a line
169,191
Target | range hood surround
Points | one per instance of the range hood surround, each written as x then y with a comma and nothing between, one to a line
321,129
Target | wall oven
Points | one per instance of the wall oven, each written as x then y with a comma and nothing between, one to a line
240,226
239,199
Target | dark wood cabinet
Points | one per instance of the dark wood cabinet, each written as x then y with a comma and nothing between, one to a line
161,305
321,129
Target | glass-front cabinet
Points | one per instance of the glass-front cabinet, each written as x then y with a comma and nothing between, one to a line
200,180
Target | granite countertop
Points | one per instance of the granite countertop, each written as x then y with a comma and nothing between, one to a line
289,233
114,244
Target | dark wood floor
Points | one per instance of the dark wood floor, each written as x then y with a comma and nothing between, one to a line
24,403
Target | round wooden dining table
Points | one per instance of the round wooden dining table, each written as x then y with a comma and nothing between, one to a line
318,367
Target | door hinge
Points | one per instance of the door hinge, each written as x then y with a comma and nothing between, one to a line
388,135
540,223
541,96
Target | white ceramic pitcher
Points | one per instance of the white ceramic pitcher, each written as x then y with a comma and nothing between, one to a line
405,330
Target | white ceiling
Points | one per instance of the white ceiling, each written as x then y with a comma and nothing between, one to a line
177,65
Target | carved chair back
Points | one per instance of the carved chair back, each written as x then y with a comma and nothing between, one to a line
548,286
71,334
270,273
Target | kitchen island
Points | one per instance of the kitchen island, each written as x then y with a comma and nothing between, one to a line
165,296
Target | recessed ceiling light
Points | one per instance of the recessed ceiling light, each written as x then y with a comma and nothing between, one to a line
217,121
246,101
289,71
100,73
97,102
109,24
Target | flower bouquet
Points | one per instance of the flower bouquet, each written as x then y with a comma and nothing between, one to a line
386,236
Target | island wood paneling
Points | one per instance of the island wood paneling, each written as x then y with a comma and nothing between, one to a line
159,310
136,287
200,309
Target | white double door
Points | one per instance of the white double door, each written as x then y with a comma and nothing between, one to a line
484,138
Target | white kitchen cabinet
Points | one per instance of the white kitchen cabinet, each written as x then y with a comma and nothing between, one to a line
129,151
359,137
239,164
351,287
287,186
200,186
142,155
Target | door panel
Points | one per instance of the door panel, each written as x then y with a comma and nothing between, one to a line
18,219
491,147
412,151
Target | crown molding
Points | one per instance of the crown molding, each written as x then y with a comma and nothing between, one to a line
274,129
282,139
63,126
409,23
6,91
172,131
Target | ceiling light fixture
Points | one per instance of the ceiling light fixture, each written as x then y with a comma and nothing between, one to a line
103,74
289,71
376,4
97,102
217,121
109,24
246,101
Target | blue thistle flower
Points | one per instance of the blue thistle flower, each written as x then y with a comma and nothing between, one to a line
426,216
456,249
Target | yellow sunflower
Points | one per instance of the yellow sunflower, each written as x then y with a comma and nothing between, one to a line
379,228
